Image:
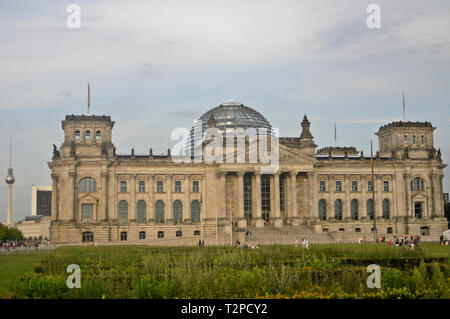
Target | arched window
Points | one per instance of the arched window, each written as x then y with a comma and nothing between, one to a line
87,135
322,210
123,211
338,209
370,209
195,211
141,211
98,135
355,209
386,209
177,212
417,184
77,135
87,185
159,211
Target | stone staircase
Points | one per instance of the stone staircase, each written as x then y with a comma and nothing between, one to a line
286,235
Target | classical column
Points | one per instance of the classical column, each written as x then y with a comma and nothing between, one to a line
363,211
133,198
55,195
104,197
276,192
430,199
313,196
223,195
346,209
151,199
259,222
378,197
436,191
294,213
441,212
169,206
72,201
187,206
241,220
331,190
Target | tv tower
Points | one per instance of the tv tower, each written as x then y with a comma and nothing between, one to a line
10,180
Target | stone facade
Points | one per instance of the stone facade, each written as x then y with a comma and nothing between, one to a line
99,196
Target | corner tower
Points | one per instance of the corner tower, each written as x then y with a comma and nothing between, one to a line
87,136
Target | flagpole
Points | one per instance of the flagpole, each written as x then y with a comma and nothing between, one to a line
373,195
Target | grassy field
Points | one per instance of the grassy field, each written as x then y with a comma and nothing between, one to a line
323,271
14,265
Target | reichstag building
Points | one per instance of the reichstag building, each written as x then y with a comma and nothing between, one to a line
104,198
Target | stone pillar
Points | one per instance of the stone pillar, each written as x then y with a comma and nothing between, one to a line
346,209
104,197
169,206
278,222
242,223
55,197
223,195
133,198
436,191
441,212
295,221
430,199
151,199
363,212
331,190
378,197
313,196
187,199
72,202
259,222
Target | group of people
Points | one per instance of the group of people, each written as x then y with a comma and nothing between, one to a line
245,245
407,242
305,243
11,245
443,240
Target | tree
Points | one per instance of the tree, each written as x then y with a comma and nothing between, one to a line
7,233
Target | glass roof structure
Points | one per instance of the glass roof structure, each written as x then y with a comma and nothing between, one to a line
229,116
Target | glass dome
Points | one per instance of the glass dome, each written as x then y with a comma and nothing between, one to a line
230,115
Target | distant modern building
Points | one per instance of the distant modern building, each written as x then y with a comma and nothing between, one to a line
41,200
35,226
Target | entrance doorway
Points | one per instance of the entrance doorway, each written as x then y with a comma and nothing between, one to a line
418,210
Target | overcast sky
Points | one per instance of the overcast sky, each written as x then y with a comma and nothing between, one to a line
158,65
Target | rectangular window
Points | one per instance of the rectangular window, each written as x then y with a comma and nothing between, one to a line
159,186
196,233
386,186
141,186
195,187
265,197
179,233
370,186
160,234
421,139
322,187
338,186
354,186
87,211
282,198
142,235
405,139
414,139
88,237
123,186
177,186
123,235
